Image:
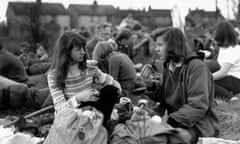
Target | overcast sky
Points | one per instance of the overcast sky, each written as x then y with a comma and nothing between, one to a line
183,5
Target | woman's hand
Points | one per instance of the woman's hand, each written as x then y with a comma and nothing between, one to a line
97,73
148,82
87,95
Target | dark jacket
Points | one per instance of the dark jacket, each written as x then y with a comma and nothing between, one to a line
11,67
127,49
188,96
122,69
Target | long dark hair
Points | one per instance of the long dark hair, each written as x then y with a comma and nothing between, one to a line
177,47
226,35
62,55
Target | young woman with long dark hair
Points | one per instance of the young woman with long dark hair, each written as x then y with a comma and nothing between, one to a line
73,84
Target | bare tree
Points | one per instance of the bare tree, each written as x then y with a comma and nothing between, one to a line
31,24
36,28
49,35
35,23
3,29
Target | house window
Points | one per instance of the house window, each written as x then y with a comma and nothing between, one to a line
159,20
205,19
95,19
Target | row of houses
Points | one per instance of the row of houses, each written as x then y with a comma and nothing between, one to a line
79,15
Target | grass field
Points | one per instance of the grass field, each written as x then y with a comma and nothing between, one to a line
228,113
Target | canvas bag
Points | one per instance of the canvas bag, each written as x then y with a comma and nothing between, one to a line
81,126
140,129
143,129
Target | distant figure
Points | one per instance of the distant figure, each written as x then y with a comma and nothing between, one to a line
118,65
103,33
42,52
143,45
227,79
14,91
11,66
84,32
124,44
128,22
25,54
41,63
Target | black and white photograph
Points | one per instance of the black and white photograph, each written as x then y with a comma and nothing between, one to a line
119,71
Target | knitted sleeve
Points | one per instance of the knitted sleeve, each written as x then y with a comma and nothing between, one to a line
57,94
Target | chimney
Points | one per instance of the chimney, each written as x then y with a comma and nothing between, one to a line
144,9
39,1
95,4
149,8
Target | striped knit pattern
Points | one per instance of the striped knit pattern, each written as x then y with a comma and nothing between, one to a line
73,86
146,71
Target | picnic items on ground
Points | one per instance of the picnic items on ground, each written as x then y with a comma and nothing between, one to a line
144,129
8,136
78,126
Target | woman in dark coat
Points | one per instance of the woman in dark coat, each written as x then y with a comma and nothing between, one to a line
187,88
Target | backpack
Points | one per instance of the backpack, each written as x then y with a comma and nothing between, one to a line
81,126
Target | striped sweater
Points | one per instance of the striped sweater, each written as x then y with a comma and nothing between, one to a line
75,85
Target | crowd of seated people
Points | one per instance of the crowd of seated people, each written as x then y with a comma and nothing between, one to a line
189,78
16,90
